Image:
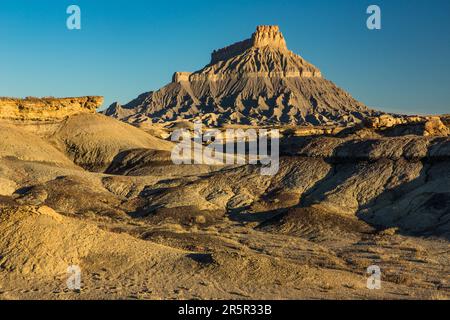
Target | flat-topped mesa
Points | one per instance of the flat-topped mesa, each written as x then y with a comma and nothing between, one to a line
258,82
48,108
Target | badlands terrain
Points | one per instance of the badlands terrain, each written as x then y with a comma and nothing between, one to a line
88,190
355,188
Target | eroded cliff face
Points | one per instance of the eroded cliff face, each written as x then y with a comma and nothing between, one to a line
265,36
44,109
43,115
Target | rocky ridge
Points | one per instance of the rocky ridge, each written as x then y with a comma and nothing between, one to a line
48,108
45,115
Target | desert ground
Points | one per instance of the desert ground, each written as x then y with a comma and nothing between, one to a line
91,191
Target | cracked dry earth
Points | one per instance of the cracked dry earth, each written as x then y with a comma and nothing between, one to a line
89,193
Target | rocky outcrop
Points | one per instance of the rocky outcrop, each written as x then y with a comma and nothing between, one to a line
388,121
257,81
435,127
403,125
269,36
181,76
44,109
45,115
264,36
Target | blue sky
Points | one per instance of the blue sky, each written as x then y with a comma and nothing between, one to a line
129,47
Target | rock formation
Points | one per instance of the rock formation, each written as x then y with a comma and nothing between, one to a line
403,125
49,108
257,81
44,115
264,36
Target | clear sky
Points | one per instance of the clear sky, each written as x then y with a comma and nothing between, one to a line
129,47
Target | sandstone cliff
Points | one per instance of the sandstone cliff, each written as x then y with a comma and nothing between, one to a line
264,36
405,125
44,115
50,108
